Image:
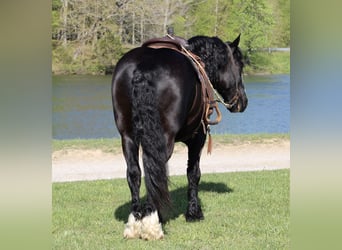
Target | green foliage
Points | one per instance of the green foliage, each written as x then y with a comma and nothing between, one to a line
269,63
108,50
284,22
252,18
90,36
205,18
56,5
56,21
248,210
179,23
103,144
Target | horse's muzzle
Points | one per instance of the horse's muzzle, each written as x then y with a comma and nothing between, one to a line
240,104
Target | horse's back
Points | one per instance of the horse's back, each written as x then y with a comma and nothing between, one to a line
169,72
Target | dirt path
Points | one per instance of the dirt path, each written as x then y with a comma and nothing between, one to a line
76,165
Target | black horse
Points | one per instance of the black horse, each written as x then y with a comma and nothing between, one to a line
157,102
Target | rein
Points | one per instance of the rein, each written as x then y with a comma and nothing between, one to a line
210,103
227,105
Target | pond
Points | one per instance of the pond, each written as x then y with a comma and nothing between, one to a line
82,108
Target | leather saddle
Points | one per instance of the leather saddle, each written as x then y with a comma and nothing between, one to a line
172,42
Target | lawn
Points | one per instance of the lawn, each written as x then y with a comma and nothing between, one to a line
246,210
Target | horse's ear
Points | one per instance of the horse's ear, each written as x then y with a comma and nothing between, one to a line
236,42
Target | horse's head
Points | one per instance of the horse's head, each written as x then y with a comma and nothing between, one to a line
224,65
231,86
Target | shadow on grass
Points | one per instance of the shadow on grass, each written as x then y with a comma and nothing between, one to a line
179,200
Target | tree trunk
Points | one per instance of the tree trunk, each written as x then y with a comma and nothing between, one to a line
142,21
133,28
216,15
65,21
166,16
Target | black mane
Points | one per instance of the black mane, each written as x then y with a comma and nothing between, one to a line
213,52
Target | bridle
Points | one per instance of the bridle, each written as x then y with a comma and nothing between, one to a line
232,102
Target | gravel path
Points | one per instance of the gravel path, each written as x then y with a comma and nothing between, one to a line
77,165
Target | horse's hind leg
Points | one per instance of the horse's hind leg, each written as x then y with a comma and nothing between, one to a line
195,145
131,153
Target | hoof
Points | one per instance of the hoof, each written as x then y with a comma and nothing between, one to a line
189,218
194,213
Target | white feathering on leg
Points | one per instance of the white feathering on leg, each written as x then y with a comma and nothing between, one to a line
132,228
151,229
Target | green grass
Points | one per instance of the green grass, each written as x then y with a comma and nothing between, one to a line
114,145
248,210
237,139
104,144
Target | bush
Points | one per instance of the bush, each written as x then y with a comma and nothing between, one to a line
78,58
268,63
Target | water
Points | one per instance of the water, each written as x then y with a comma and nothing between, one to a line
268,109
82,108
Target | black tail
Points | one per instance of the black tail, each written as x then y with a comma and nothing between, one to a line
149,133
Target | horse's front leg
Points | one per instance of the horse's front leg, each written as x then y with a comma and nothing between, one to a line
195,145
131,153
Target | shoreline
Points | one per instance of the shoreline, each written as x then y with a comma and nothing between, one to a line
77,164
113,145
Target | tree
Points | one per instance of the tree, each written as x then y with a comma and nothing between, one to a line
252,18
96,32
204,14
284,34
